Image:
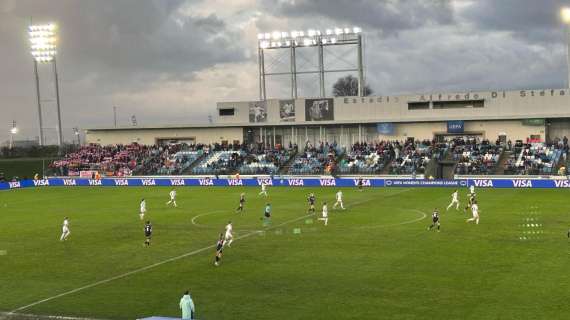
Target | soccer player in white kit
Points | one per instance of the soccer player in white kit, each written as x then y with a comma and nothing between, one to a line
338,200
172,198
65,230
475,212
325,217
228,236
454,201
263,189
143,209
472,190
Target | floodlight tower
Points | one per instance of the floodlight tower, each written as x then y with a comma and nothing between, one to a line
43,48
311,38
13,131
565,14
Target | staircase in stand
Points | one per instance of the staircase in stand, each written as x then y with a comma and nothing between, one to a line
500,167
285,167
195,164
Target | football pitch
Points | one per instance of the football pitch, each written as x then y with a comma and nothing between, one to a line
374,260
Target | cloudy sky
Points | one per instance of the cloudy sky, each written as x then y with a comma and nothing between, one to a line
170,61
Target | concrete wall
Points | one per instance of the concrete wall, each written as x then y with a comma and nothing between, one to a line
525,104
513,129
150,136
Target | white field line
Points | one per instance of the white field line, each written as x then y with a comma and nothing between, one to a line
4,315
154,265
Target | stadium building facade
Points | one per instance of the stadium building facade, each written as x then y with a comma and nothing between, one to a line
540,115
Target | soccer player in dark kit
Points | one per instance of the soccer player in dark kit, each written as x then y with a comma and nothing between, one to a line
435,220
219,250
147,233
241,202
311,199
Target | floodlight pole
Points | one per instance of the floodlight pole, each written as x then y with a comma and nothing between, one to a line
360,68
41,132
59,129
293,72
262,88
321,70
567,35
115,116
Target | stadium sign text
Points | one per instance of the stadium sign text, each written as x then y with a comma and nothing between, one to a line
177,182
69,182
39,183
15,184
235,182
296,182
465,96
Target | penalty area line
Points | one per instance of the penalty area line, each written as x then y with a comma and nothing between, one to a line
151,266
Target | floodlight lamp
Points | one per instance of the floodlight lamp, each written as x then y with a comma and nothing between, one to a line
346,30
356,30
43,42
565,14
14,130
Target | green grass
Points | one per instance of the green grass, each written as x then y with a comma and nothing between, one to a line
374,261
24,167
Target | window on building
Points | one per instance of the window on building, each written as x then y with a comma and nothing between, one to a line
418,105
458,104
226,112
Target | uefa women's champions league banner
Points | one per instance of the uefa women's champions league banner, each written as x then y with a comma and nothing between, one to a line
289,182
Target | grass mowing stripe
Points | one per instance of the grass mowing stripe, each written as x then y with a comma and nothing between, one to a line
154,265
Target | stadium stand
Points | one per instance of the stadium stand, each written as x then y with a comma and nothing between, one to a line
472,157
125,160
475,157
412,157
316,160
261,161
535,158
365,158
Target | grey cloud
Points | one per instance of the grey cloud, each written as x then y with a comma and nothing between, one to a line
386,16
537,21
